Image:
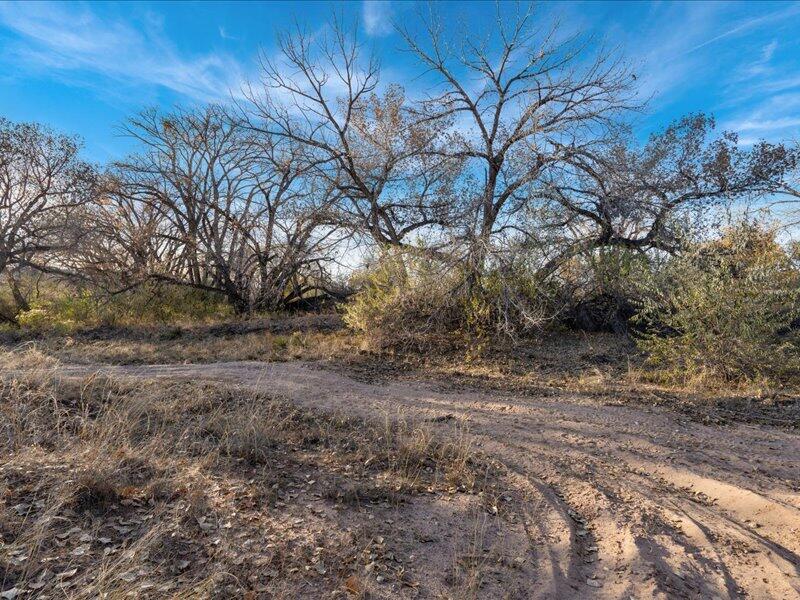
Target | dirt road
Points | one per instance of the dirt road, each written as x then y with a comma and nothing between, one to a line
617,502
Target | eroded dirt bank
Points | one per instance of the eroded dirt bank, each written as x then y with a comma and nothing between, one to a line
615,501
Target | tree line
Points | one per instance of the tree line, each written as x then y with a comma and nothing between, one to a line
520,152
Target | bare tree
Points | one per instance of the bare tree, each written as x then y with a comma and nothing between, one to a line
324,95
129,240
211,205
522,101
43,184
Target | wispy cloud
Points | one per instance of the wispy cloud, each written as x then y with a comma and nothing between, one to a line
768,51
377,15
773,118
747,25
75,40
763,95
768,124
739,28
223,33
758,67
664,63
757,90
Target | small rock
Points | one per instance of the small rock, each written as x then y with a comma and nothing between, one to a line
21,509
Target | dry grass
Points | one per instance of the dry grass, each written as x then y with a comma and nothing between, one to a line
263,346
120,488
564,360
584,367
598,367
311,337
110,488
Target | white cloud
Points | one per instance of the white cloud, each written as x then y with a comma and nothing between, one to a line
73,40
768,50
768,124
223,33
746,25
758,93
758,67
774,118
377,15
764,97
661,56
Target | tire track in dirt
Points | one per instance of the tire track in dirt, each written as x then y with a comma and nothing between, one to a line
617,501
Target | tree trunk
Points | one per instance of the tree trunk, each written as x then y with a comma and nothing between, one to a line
240,305
20,301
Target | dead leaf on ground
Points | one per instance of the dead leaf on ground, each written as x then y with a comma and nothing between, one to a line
353,585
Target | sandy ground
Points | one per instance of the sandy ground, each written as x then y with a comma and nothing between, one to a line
615,501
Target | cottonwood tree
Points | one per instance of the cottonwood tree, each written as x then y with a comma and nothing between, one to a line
522,101
212,205
43,186
639,197
323,94
789,193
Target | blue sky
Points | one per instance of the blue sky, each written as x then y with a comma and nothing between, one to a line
83,67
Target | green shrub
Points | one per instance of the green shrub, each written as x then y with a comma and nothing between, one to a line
63,309
726,311
58,309
399,300
163,304
411,300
